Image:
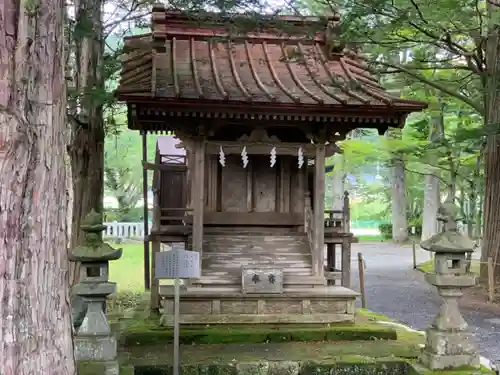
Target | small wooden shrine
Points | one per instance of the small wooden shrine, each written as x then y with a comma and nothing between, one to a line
255,115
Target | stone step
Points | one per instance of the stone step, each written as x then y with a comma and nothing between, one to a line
255,243
236,268
256,258
260,255
288,280
236,271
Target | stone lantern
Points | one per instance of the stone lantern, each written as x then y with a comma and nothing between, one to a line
448,342
94,340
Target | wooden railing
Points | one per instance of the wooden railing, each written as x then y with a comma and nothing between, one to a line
181,214
339,220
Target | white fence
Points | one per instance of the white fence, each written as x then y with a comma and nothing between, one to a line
116,229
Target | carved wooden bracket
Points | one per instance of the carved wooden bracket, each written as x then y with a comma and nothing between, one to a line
259,135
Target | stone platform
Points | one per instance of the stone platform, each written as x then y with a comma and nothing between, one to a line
322,305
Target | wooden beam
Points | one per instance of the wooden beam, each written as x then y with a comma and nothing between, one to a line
249,188
255,148
253,218
163,167
319,209
147,270
284,185
198,196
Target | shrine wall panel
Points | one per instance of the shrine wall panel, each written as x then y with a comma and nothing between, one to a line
211,183
297,189
233,185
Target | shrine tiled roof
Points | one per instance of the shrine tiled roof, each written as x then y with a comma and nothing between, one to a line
183,61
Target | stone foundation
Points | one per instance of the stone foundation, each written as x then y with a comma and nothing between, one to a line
450,349
307,306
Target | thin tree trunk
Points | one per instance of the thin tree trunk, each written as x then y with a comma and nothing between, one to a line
35,329
399,217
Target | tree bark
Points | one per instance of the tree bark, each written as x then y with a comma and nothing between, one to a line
398,195
399,217
431,205
491,210
87,139
35,329
431,188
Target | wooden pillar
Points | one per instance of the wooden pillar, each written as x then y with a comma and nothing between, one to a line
198,195
147,270
155,284
331,259
346,262
155,244
319,209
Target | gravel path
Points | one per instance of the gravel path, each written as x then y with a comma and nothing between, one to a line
393,288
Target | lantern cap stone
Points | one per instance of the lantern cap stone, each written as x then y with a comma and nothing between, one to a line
92,223
449,241
93,249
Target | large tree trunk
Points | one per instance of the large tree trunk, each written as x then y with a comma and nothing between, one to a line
431,187
338,183
431,205
35,317
87,140
491,234
398,194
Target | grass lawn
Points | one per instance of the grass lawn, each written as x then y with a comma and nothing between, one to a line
428,266
128,271
371,238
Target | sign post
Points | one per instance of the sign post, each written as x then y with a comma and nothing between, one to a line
177,264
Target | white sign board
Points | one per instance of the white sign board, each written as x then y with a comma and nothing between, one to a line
177,264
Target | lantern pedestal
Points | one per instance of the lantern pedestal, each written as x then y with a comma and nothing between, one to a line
449,344
448,341
94,340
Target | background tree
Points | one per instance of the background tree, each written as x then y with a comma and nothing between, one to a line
94,46
36,326
123,170
462,38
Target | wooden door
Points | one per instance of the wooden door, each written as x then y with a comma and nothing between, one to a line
264,184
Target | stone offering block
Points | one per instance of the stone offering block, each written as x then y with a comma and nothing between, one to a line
262,280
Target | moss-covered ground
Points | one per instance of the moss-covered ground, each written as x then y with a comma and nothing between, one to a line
144,343
366,347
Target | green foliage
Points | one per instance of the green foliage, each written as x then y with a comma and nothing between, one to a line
133,214
127,300
123,169
385,230
369,210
